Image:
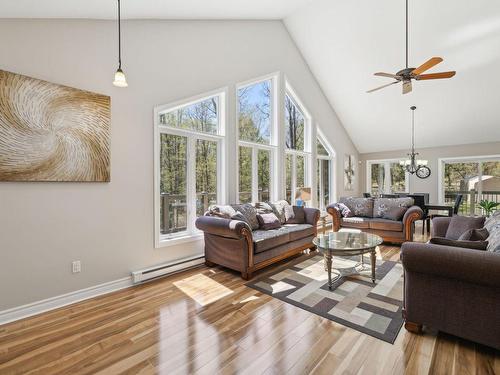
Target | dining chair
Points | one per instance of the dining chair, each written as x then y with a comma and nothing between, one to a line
419,199
388,196
367,195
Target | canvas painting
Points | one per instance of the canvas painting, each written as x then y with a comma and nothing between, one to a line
50,132
349,172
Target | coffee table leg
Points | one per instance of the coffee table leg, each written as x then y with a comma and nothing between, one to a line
373,259
328,261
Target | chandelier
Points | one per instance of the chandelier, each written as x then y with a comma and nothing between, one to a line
412,165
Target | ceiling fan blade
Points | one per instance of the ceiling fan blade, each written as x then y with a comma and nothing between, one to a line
407,87
427,65
389,75
381,87
435,76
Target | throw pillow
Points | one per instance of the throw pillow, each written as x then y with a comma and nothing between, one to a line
279,210
263,208
461,224
225,212
394,213
239,216
343,209
475,235
250,214
268,221
289,213
475,245
382,205
299,216
362,207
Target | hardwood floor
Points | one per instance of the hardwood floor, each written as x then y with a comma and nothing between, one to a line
206,321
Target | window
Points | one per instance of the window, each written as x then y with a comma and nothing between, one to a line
386,177
324,175
188,164
256,129
297,152
475,178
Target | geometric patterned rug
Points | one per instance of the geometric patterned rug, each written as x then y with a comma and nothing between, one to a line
354,301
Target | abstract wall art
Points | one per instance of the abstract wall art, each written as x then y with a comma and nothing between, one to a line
50,132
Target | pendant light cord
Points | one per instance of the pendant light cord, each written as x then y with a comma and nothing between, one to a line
406,34
119,38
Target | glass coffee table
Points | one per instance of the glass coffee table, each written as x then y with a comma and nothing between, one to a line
347,244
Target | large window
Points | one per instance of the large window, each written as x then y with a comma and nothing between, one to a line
386,177
324,175
297,151
475,178
256,129
188,162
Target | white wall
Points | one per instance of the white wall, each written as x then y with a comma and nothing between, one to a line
109,227
430,184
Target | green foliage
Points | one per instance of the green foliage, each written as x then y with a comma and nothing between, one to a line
488,206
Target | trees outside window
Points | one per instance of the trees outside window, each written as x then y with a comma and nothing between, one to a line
256,127
475,178
386,177
296,153
189,141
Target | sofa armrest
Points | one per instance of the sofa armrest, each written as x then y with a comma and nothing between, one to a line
411,215
223,227
311,216
440,226
468,265
476,245
336,216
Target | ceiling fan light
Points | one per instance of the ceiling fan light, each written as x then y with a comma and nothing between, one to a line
120,79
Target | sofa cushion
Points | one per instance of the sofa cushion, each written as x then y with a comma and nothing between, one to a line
299,216
461,224
361,207
383,205
219,210
493,222
355,222
494,240
249,212
475,245
298,231
267,239
395,213
268,221
386,224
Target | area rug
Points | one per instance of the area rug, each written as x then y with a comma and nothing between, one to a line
354,301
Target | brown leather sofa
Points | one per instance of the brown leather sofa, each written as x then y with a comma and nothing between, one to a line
233,244
367,219
453,289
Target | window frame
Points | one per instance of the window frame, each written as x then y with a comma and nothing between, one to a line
191,233
306,153
272,147
387,172
331,157
462,159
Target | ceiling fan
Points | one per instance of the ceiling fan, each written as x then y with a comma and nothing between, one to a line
408,74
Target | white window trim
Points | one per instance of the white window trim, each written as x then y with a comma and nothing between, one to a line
461,159
190,234
387,172
273,140
306,153
331,157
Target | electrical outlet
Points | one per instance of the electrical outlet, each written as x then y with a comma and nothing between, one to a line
76,266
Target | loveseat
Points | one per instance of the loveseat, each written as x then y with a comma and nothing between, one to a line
240,243
453,286
393,219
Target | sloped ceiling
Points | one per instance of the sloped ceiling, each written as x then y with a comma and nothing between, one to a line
345,42
156,9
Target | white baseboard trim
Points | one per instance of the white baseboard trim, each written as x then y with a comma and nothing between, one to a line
38,307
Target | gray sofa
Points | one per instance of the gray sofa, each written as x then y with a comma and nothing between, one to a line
454,289
369,215
235,245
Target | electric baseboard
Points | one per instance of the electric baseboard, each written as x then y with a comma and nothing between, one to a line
161,270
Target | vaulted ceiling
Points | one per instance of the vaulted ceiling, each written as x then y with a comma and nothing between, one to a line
152,9
345,42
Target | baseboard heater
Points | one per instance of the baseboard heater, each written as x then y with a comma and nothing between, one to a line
162,270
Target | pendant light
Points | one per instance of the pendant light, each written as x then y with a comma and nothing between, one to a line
120,79
413,165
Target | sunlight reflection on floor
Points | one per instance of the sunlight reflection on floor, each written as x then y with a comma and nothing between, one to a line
202,289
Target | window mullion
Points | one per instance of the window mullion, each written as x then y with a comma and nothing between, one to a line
255,175
191,183
294,178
